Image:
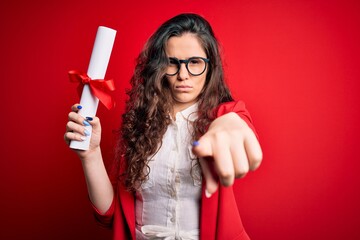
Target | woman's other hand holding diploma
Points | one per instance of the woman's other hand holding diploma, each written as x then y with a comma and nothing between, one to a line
75,130
98,183
229,149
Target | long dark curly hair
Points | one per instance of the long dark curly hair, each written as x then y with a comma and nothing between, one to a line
148,108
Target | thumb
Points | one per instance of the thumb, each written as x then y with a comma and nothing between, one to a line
210,181
202,147
94,122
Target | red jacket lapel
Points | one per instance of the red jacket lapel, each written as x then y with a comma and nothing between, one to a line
128,206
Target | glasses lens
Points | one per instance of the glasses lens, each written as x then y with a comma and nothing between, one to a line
173,66
196,66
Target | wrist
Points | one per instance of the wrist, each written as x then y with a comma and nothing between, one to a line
91,156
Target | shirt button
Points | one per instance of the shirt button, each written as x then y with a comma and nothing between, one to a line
172,170
177,179
172,219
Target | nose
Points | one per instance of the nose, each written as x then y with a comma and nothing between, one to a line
183,72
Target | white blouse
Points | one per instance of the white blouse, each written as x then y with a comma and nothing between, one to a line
168,203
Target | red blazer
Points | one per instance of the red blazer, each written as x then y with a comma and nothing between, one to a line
220,217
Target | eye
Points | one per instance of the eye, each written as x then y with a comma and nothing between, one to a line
173,61
194,61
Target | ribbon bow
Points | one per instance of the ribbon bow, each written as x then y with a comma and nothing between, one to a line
101,88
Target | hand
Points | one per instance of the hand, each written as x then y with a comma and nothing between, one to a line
75,130
229,149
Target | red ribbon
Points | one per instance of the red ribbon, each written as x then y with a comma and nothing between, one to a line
100,88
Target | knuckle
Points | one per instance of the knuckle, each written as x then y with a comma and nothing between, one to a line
79,118
67,136
220,138
96,121
241,171
72,116
240,174
219,135
69,124
227,181
258,157
226,174
256,161
255,165
199,151
79,129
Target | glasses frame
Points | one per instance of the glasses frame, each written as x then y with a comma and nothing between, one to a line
186,61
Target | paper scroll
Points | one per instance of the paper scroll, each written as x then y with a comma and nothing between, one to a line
99,60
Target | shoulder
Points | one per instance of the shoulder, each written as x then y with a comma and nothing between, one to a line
237,107
233,106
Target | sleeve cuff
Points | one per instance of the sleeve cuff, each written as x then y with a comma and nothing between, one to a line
104,219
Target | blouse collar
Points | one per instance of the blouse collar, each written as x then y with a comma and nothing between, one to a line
189,113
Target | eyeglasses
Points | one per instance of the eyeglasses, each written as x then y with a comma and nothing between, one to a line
195,65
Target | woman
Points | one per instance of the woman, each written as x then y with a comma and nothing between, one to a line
182,133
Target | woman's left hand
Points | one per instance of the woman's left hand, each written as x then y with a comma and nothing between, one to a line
229,149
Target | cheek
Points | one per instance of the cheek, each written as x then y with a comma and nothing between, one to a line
201,84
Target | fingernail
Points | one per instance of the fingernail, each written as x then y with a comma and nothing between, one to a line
86,123
207,194
89,118
79,107
195,143
86,132
83,138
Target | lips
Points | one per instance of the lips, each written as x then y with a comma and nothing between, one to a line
183,87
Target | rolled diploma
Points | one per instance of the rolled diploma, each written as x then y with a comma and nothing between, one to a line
99,60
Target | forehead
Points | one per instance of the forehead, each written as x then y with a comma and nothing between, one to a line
184,46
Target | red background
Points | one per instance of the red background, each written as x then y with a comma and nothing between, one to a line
295,64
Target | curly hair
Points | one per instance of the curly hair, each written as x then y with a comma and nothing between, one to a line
148,108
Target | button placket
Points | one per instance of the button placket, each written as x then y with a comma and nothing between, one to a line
174,186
